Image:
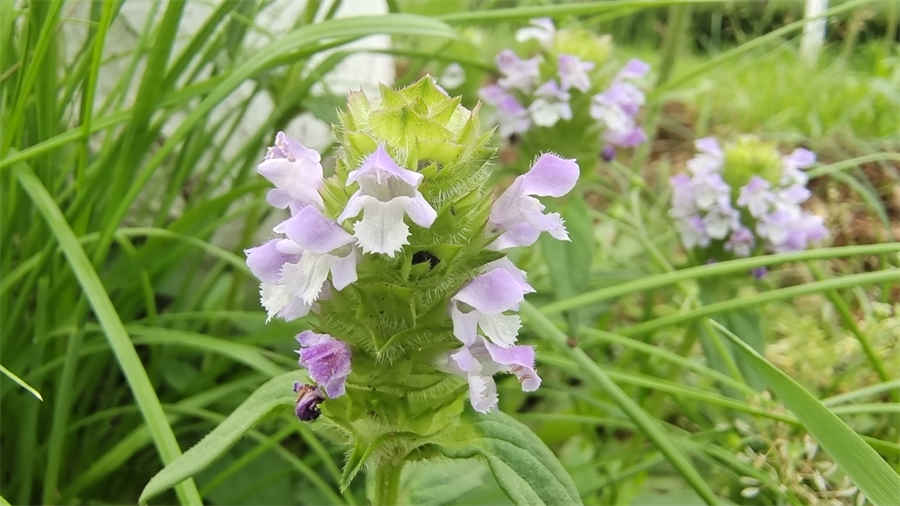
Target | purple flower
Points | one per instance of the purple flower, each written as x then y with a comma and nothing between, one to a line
684,199
741,241
633,69
479,362
326,359
513,117
550,106
573,72
296,173
618,105
720,219
693,232
793,163
293,270
519,216
517,73
386,194
756,196
621,128
709,159
308,400
484,304
540,29
759,272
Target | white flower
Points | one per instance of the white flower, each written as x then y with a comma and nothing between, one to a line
386,194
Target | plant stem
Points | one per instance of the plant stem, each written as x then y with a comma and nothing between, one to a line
387,481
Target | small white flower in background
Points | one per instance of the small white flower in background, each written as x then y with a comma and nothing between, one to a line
539,29
453,76
387,193
518,73
573,72
550,106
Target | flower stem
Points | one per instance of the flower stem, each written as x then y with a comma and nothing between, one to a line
387,481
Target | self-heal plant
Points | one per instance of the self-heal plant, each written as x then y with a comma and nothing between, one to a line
568,93
397,264
744,198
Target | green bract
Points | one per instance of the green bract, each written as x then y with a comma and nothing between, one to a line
748,157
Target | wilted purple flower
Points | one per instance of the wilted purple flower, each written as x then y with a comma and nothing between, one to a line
326,359
386,194
296,173
308,400
293,270
550,106
519,216
517,73
608,154
573,72
479,362
540,29
484,304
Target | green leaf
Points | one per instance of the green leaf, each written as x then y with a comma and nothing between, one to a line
866,468
524,467
272,394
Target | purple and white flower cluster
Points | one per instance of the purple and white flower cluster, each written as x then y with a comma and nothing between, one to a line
758,214
483,311
524,98
314,257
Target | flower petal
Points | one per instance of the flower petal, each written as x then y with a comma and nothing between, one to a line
465,325
419,210
500,328
482,393
380,166
265,261
519,360
494,291
343,270
314,232
381,229
305,278
550,176
327,360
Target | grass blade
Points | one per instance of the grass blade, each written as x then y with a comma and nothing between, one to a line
712,270
543,326
864,466
130,363
272,394
9,374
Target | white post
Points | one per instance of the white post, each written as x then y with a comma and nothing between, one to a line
813,30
